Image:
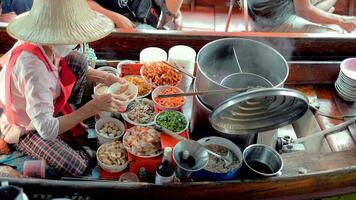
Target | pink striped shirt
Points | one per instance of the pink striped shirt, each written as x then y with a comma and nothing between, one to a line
34,89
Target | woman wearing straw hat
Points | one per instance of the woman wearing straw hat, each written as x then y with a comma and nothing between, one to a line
42,75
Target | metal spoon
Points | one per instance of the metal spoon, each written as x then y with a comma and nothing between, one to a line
206,92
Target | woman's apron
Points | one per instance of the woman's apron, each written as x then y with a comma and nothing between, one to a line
66,81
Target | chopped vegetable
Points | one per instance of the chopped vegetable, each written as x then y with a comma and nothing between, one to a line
172,120
143,87
161,74
172,101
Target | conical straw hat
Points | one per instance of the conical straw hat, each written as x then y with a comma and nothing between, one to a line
60,22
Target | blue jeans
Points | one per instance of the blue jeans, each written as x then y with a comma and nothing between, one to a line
18,6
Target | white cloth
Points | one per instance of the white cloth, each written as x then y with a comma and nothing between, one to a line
34,89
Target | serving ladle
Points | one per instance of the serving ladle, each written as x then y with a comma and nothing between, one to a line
226,158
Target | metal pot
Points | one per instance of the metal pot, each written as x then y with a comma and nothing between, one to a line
216,60
215,176
201,127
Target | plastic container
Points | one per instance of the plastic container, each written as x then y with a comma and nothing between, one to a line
128,120
180,113
183,56
205,175
110,168
114,87
129,68
158,90
35,168
152,54
104,138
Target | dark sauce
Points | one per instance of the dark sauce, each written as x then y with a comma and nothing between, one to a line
186,163
260,167
165,169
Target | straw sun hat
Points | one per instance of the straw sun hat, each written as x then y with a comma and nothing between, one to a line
60,22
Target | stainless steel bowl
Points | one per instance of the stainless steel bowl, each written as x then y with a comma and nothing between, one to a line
216,60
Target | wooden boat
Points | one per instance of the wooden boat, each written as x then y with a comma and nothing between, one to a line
314,65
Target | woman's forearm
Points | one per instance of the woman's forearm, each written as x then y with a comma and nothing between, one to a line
97,76
95,6
306,10
325,5
67,122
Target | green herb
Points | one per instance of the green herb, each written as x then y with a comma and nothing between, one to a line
172,120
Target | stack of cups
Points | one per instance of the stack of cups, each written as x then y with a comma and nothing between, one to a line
184,57
152,54
345,85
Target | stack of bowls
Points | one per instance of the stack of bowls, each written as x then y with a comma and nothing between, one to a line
345,85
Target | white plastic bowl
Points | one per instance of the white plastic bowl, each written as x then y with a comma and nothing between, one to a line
103,87
110,168
132,87
348,67
104,138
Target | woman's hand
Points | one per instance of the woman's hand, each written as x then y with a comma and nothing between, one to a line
111,79
123,22
108,102
347,23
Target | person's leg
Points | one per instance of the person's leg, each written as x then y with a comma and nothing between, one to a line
6,6
56,153
297,24
21,6
77,62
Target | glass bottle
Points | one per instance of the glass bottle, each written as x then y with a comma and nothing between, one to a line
165,171
142,174
186,161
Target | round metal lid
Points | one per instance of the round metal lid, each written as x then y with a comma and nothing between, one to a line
259,110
